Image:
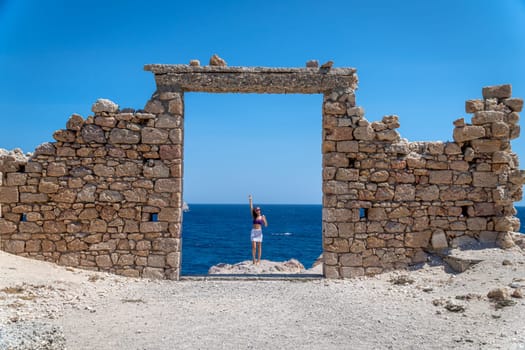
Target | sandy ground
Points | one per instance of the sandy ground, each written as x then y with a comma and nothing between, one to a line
43,306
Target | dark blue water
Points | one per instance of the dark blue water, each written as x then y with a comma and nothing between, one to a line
220,233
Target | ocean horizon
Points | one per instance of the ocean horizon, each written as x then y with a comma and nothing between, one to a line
220,233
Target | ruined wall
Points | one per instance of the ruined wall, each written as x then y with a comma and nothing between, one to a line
388,201
107,195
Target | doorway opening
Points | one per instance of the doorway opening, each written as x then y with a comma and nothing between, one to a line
266,145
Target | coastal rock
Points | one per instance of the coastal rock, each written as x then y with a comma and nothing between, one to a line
291,266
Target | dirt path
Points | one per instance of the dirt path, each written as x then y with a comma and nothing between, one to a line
427,308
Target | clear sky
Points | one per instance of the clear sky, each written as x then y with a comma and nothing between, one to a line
417,59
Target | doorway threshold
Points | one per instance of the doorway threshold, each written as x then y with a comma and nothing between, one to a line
254,277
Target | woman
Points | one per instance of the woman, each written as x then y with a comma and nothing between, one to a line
256,234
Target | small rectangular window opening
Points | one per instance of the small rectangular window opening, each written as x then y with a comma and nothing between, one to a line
154,217
464,211
363,213
23,218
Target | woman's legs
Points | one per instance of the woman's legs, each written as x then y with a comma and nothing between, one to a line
253,251
260,251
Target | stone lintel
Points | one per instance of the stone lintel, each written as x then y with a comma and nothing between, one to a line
251,79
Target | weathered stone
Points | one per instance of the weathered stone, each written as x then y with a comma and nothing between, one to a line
516,104
9,194
106,122
154,136
215,60
379,176
468,133
176,106
124,136
45,149
104,105
334,108
87,194
497,91
102,170
168,122
56,169
154,107
93,134
418,239
440,177
473,106
64,136
75,122
484,179
364,133
485,117
439,240
111,196
7,226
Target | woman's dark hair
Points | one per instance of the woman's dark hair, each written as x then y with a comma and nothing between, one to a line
254,213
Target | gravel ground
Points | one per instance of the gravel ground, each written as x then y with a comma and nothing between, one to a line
43,306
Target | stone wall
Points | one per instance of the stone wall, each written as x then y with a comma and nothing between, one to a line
107,195
388,201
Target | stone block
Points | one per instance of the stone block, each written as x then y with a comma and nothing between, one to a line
93,134
124,136
487,117
467,133
167,121
48,186
176,106
7,226
153,273
440,177
64,136
170,214
515,104
484,179
497,91
154,107
104,105
69,259
168,185
154,136
418,239
153,227
170,152
111,196
365,133
16,179
473,106
167,245
334,108
29,227
14,246
439,240
9,195
103,261
350,272
405,193
75,122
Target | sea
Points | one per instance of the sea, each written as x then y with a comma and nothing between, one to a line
220,233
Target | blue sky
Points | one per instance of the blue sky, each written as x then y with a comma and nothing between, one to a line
418,59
